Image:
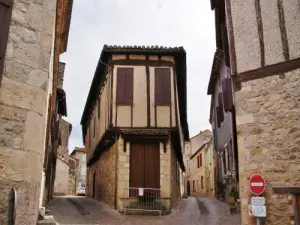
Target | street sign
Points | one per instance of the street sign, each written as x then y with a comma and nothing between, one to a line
257,210
258,201
257,184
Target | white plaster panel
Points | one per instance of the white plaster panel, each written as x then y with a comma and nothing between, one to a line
271,31
292,22
163,116
246,35
124,116
140,97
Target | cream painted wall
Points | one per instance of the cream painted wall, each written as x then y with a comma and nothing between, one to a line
246,35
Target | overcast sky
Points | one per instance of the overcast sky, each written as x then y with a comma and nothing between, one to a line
187,23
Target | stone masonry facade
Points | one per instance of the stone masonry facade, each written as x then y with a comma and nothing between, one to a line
23,100
105,182
268,128
106,176
73,167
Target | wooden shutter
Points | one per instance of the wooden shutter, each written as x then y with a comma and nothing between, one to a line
200,160
162,86
5,18
220,100
225,45
124,86
229,94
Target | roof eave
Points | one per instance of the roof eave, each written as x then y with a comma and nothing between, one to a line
215,69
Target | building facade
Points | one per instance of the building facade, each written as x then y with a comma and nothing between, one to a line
134,119
264,57
210,169
81,169
62,162
191,147
27,78
222,119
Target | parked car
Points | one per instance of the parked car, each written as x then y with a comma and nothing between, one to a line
81,189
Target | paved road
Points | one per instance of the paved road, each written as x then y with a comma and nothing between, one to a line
192,211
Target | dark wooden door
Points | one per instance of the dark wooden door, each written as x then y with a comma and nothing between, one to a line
152,165
137,162
144,165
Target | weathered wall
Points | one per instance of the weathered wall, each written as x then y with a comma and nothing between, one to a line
248,46
105,169
73,167
197,173
268,140
81,171
23,106
174,178
61,176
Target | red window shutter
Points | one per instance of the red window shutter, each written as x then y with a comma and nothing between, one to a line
129,86
124,86
220,100
225,95
5,18
162,86
229,93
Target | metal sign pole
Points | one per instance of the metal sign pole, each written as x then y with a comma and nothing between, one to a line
257,221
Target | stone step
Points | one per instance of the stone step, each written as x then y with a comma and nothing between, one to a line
48,220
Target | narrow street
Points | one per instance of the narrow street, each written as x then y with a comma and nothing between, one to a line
201,211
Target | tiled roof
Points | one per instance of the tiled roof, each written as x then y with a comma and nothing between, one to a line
142,48
180,58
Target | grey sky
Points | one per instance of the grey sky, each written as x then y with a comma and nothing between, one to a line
187,23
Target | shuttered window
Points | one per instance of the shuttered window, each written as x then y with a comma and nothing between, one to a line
200,159
124,86
220,108
225,45
5,18
162,86
227,95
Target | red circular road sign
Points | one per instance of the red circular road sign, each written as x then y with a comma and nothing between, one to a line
257,184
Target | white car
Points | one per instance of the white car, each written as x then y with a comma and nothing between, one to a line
81,189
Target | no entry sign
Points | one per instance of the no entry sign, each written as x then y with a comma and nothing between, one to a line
257,184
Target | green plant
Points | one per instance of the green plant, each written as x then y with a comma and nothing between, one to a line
233,193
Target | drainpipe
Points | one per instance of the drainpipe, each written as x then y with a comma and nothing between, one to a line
11,214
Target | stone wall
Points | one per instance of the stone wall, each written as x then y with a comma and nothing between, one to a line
61,176
174,178
268,124
105,172
23,100
73,167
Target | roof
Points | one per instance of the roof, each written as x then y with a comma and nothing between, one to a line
201,147
66,20
215,69
77,149
180,59
61,101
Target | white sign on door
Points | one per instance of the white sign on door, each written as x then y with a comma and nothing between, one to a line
141,191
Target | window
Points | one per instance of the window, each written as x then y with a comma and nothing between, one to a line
5,18
124,86
162,86
227,95
202,185
193,185
220,112
200,160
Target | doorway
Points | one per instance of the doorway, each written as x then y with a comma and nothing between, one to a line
144,165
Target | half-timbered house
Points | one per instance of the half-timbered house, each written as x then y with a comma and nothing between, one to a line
135,123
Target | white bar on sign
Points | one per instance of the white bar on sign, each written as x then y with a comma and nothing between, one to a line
141,191
257,184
